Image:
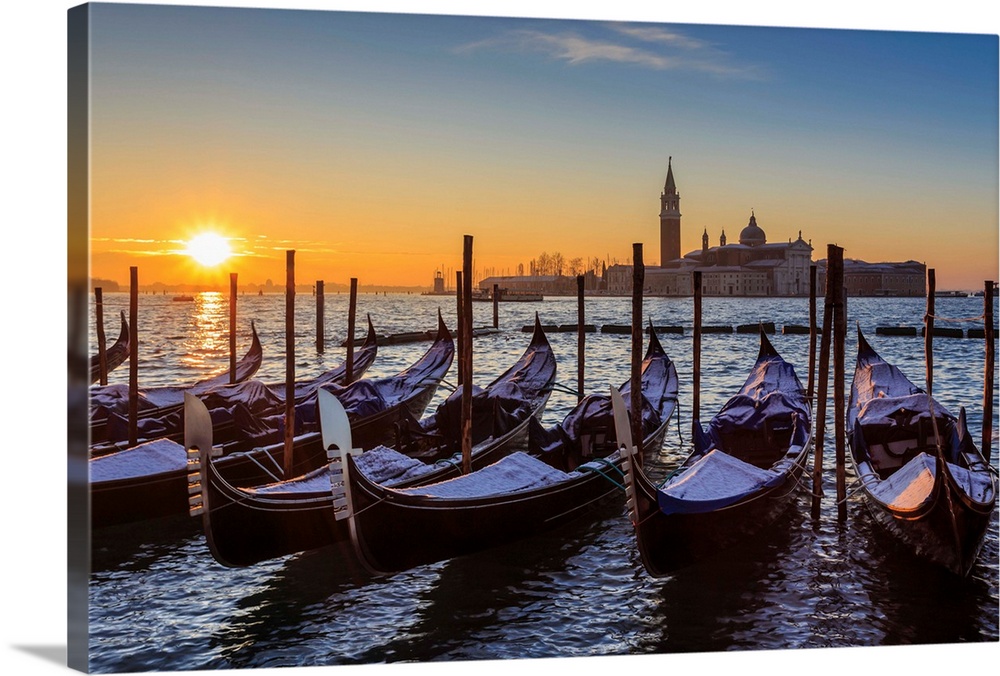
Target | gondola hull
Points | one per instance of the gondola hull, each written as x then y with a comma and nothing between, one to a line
165,491
523,495
923,479
250,523
395,532
114,356
107,437
742,475
669,543
946,536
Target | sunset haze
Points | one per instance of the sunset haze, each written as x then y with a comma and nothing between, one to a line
371,143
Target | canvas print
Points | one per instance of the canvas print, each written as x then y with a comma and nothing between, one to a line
437,338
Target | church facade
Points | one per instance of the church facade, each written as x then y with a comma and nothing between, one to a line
751,266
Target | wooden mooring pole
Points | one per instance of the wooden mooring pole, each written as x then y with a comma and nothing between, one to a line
835,275
991,354
467,355
638,281
459,323
232,327
133,357
289,363
320,320
696,356
352,312
819,420
812,334
581,341
496,306
929,330
102,343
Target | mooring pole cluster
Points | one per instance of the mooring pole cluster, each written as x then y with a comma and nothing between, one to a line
834,331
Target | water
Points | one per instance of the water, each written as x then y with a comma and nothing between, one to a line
159,601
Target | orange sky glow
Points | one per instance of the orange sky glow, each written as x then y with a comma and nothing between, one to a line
371,144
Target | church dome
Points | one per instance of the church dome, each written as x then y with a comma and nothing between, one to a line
752,235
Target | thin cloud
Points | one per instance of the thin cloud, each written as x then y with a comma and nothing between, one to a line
662,35
645,47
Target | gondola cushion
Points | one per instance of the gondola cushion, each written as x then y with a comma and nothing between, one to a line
714,481
152,457
515,472
910,486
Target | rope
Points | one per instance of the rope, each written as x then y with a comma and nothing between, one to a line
559,387
266,471
596,470
680,436
454,461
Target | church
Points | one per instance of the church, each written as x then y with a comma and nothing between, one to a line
751,266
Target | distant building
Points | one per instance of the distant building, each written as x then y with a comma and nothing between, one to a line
546,285
878,279
750,267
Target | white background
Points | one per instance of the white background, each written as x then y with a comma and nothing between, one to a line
33,111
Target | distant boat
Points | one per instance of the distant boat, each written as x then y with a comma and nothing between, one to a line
951,294
182,299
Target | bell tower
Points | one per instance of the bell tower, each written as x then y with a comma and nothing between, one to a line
670,219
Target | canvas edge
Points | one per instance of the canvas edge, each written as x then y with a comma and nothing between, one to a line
78,212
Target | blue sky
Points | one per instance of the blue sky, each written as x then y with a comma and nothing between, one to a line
539,134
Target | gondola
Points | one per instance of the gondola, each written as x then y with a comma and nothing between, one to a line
248,524
741,475
922,476
569,470
160,411
109,404
151,479
114,356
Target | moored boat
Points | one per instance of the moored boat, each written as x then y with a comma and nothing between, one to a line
150,479
741,475
160,413
114,356
923,478
568,471
245,524
109,404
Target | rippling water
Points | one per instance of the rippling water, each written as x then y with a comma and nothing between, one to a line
160,601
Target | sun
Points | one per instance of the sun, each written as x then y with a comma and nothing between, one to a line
209,249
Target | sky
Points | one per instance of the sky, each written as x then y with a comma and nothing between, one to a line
370,143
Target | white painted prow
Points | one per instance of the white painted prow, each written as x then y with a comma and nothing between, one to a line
198,444
335,429
623,433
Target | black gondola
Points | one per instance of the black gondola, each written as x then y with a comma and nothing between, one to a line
741,475
569,470
114,356
151,479
923,478
160,413
109,403
247,524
